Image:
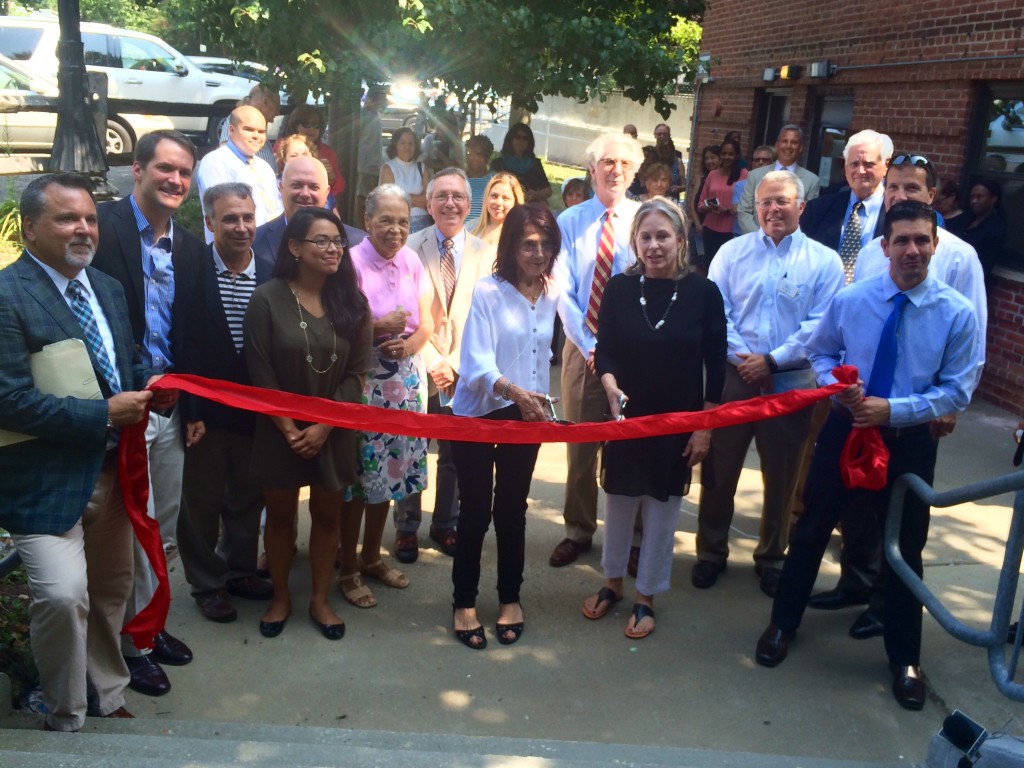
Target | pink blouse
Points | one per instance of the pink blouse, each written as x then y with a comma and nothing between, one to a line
717,186
390,283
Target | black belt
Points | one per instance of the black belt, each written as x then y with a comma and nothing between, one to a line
888,433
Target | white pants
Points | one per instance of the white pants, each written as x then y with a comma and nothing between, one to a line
79,582
166,450
660,520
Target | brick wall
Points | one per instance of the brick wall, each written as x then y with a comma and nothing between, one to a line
1003,380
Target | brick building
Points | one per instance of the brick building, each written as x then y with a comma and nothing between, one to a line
944,80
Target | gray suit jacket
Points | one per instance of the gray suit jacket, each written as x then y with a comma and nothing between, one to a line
747,216
477,261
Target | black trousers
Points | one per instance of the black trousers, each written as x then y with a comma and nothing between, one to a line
494,481
825,501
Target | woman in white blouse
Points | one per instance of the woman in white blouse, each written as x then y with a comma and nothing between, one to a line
402,168
504,374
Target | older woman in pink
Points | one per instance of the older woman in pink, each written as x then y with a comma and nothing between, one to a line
391,467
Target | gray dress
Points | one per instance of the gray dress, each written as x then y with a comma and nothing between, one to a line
275,351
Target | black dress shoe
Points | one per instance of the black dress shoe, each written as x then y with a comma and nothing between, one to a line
705,573
769,579
567,551
866,626
169,650
250,588
908,687
407,548
835,599
773,646
147,677
446,539
330,631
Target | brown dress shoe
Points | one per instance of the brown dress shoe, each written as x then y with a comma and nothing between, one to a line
567,551
250,588
773,646
445,538
121,713
215,605
908,687
770,578
705,573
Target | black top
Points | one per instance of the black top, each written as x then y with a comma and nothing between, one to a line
534,178
987,237
660,371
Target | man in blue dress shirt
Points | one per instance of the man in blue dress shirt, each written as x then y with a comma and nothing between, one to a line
930,374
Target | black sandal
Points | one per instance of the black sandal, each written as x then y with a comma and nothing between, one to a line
515,629
467,636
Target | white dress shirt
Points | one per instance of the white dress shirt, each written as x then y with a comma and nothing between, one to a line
936,345
574,268
955,263
506,336
228,164
774,296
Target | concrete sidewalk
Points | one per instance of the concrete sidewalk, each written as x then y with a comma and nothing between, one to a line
692,684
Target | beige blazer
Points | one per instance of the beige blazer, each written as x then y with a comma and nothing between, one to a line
477,261
745,213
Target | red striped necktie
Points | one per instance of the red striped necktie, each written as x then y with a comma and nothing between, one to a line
448,270
602,271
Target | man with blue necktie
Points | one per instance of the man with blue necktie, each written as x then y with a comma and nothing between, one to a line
914,339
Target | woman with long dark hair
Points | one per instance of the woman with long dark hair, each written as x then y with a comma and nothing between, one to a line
308,332
518,159
709,161
716,200
505,370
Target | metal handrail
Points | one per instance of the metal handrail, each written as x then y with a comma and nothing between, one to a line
1003,669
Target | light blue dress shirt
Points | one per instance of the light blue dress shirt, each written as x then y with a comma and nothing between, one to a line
936,345
158,289
774,295
574,268
868,214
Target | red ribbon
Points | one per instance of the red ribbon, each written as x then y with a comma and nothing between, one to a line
134,474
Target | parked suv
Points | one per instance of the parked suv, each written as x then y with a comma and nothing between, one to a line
137,65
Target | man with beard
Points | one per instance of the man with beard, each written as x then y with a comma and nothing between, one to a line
62,498
144,251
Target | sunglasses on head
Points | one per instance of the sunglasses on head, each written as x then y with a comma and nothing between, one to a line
919,160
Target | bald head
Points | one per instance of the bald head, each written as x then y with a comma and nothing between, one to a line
303,185
247,130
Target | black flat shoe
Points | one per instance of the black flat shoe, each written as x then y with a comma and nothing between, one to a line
515,629
330,631
272,628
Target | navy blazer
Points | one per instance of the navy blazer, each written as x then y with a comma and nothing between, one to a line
268,240
210,349
120,256
46,483
823,219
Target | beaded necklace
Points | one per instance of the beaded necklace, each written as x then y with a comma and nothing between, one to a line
643,305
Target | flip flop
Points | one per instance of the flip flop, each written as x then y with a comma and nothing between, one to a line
640,612
607,597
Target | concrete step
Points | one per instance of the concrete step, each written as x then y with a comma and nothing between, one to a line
144,743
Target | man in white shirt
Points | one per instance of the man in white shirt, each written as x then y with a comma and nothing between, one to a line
789,147
775,283
956,263
268,101
448,201
613,159
237,160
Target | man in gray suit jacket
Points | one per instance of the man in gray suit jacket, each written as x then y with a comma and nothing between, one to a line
448,200
62,500
788,149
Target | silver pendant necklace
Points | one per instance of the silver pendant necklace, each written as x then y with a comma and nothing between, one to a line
309,356
643,305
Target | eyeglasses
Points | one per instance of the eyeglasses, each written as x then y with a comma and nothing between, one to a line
455,197
323,242
780,202
609,164
919,160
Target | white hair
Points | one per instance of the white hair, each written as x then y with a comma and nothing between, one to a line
869,138
783,177
599,147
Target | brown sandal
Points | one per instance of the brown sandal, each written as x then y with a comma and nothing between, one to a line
360,595
384,573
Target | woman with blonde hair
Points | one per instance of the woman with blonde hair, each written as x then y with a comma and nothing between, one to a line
501,195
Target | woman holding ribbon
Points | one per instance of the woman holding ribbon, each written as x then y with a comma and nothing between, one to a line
504,375
307,332
660,328
391,467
